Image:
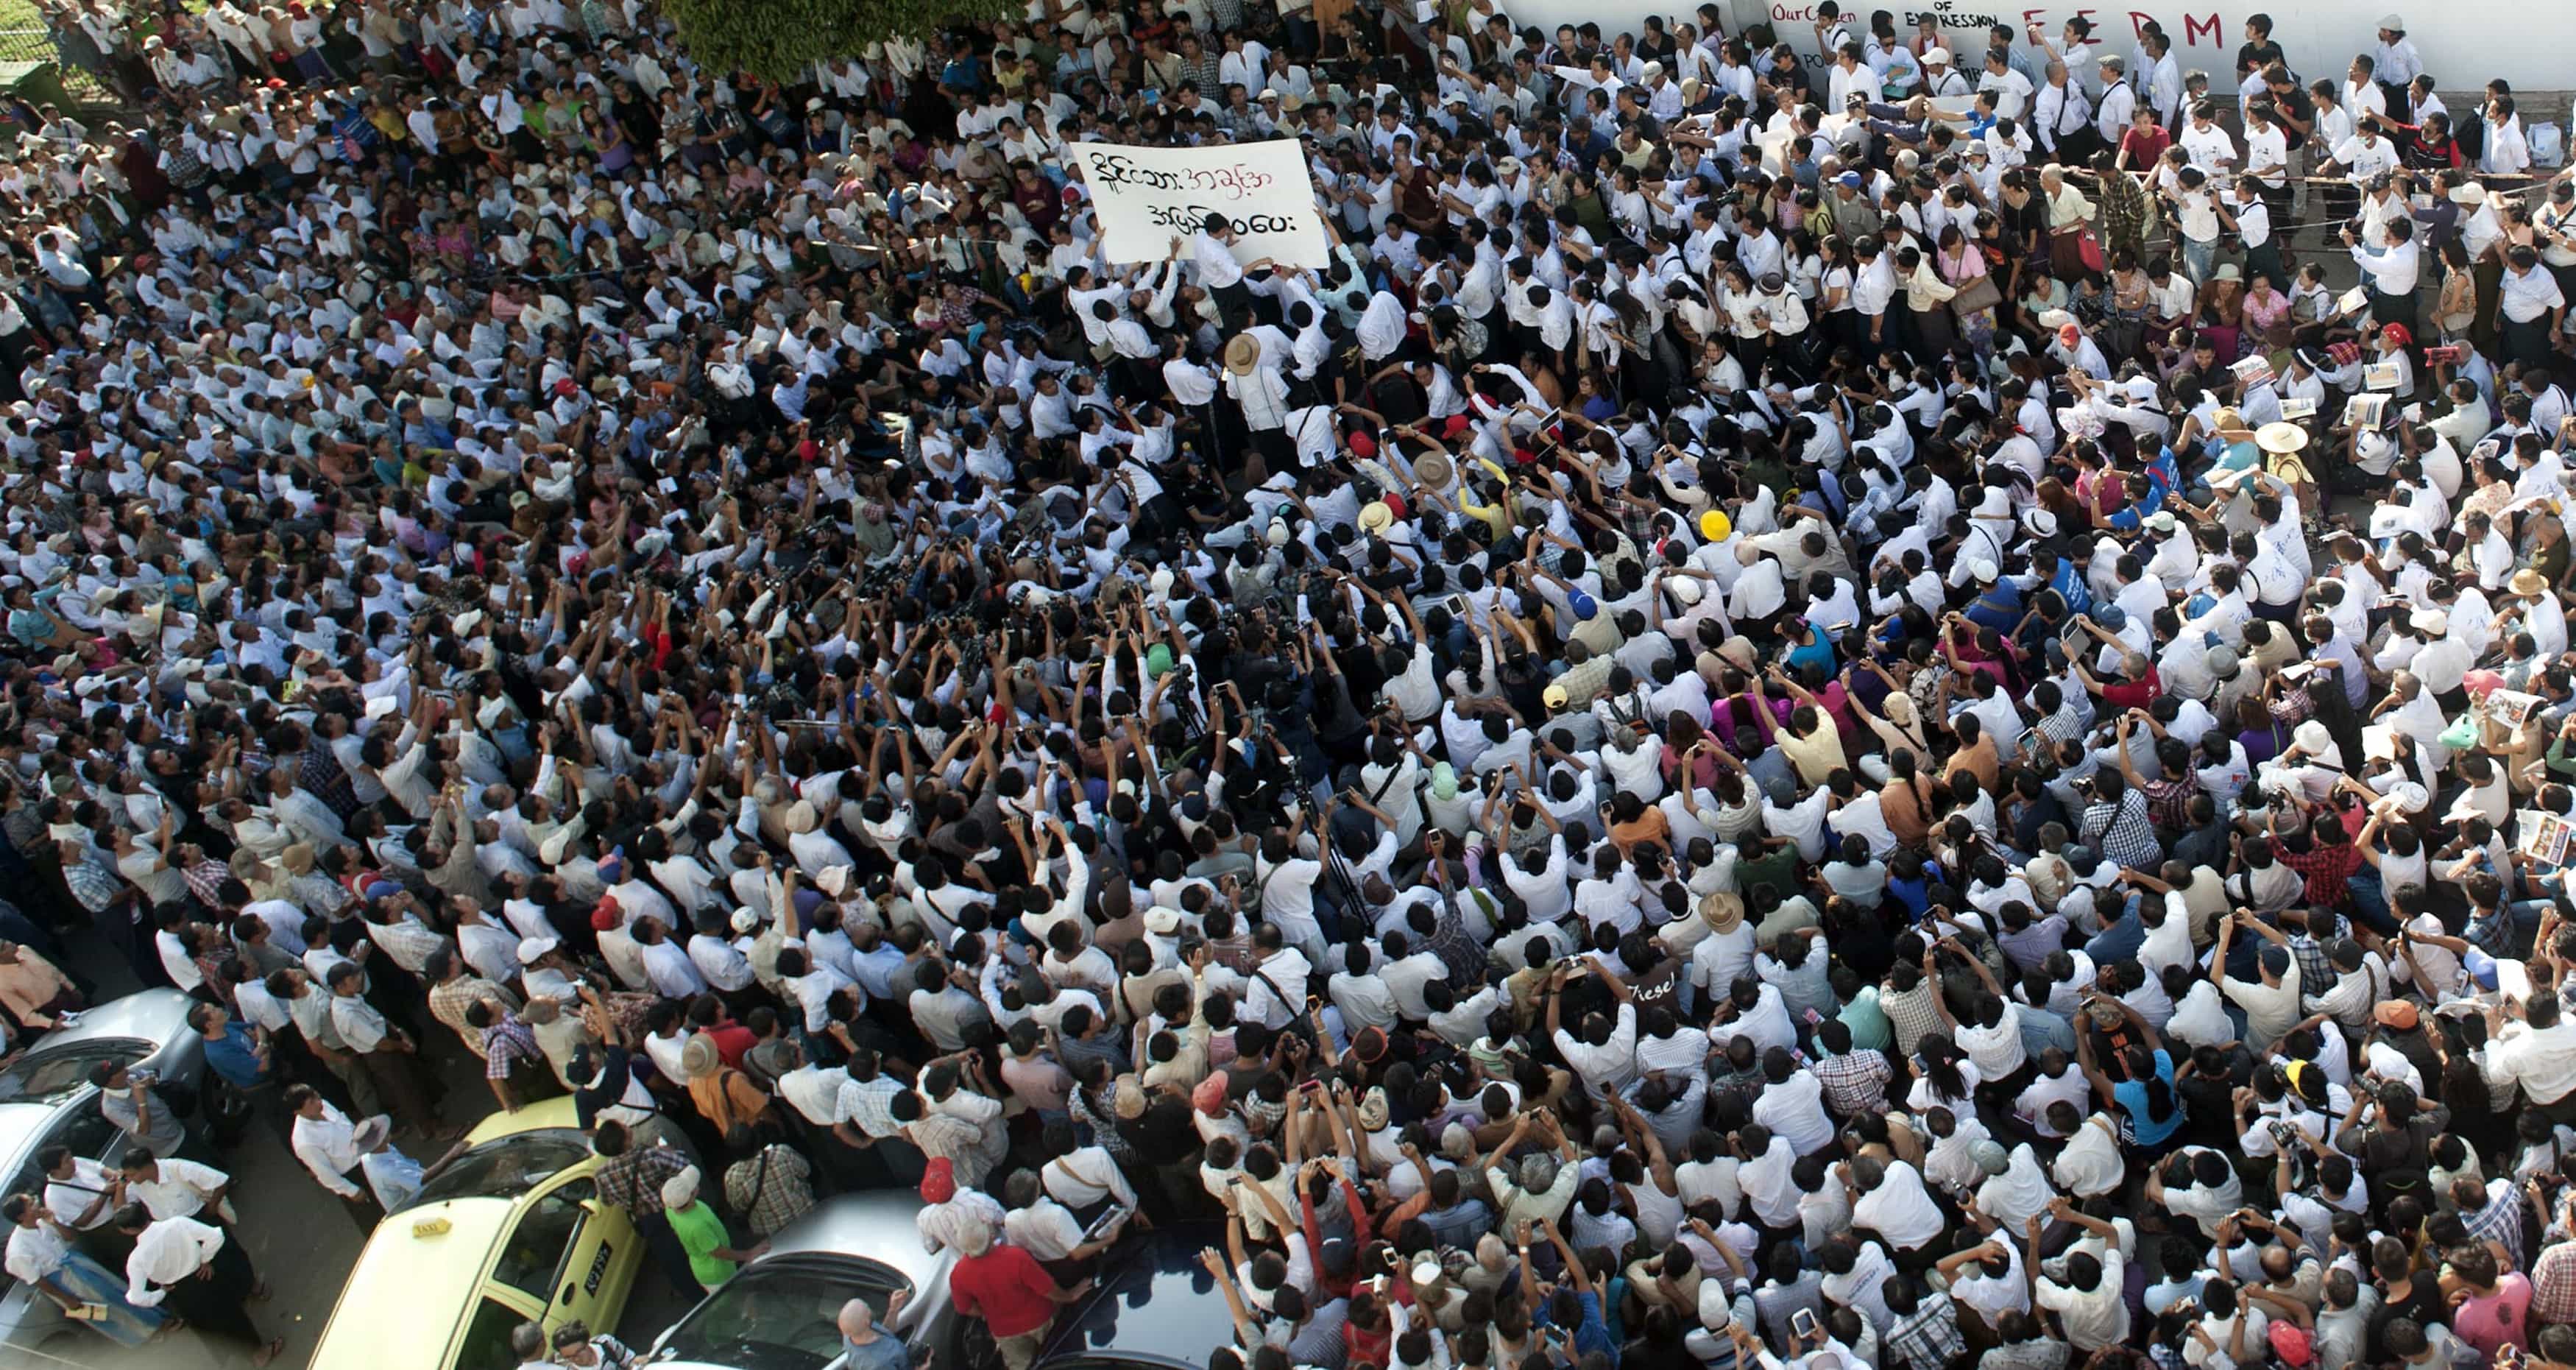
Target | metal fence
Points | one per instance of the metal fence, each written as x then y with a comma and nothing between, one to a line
37,45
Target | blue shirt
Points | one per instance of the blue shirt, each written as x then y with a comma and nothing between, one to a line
2131,1096
2128,520
1816,651
2071,586
1592,1334
1998,608
234,1057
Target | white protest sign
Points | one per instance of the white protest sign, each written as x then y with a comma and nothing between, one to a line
1146,196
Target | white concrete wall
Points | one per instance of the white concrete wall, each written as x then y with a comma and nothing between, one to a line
2465,43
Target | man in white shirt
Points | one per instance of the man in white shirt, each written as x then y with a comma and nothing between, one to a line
173,1188
190,1270
2391,272
331,1147
1603,1052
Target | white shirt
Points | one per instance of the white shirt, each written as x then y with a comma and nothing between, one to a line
69,1199
1607,1068
167,1252
1899,1209
328,1146
178,1190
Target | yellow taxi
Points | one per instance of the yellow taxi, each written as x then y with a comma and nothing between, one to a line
510,1231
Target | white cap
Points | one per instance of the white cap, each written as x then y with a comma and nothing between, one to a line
1984,570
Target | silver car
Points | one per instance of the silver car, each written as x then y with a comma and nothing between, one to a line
781,1312
46,1098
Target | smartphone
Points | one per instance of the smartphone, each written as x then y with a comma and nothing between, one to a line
1802,1322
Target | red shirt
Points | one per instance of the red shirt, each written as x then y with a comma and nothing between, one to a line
2144,150
733,1041
2136,694
1007,1288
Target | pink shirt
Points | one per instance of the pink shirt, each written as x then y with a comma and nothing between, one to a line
2496,1321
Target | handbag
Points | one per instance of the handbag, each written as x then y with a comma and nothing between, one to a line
2089,248
1979,294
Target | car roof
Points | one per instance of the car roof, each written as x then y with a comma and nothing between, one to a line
154,1015
1154,1302
409,1293
875,1224
555,1112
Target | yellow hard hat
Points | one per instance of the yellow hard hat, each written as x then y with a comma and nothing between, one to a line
1714,525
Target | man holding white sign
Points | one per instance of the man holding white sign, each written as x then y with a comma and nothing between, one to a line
1255,200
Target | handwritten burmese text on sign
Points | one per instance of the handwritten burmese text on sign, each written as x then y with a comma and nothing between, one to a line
1146,196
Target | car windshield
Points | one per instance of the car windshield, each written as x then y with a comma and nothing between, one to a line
780,1314
505,1167
44,1077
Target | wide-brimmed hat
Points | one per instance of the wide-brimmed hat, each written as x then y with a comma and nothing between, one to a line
1722,911
2280,437
1242,354
1433,469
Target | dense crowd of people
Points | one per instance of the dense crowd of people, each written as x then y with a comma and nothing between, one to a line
1800,714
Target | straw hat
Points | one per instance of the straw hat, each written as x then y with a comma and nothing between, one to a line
2528,582
1242,354
1376,517
1722,911
1434,470
2281,437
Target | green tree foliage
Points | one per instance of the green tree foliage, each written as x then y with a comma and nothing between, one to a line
778,39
